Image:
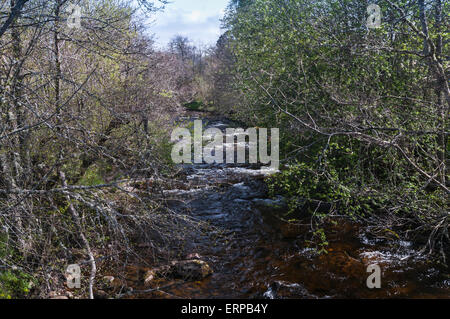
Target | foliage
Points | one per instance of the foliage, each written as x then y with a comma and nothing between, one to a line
14,284
83,113
363,113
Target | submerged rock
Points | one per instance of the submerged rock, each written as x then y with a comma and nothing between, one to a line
191,269
291,231
109,283
270,205
194,270
282,290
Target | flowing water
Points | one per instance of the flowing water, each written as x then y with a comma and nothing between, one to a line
254,254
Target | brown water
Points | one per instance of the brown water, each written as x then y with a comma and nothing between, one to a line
256,255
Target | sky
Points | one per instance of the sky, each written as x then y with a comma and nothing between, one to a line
199,20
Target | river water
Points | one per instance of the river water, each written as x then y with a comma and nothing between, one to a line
254,254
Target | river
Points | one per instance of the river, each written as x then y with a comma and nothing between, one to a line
254,254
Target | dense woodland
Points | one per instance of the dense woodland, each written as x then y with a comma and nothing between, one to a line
363,112
87,112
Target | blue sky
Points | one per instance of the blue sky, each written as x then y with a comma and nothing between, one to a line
199,20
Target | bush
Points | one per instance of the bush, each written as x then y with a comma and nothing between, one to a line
15,284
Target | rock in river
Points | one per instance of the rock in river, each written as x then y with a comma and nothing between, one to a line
194,269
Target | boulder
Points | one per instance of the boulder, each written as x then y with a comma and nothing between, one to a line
272,206
285,290
108,279
194,270
191,269
108,282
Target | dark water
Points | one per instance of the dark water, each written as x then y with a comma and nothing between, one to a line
256,255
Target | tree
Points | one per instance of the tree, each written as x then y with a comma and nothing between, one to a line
181,46
79,122
352,98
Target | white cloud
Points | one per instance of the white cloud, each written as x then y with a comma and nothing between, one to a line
195,17
199,20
